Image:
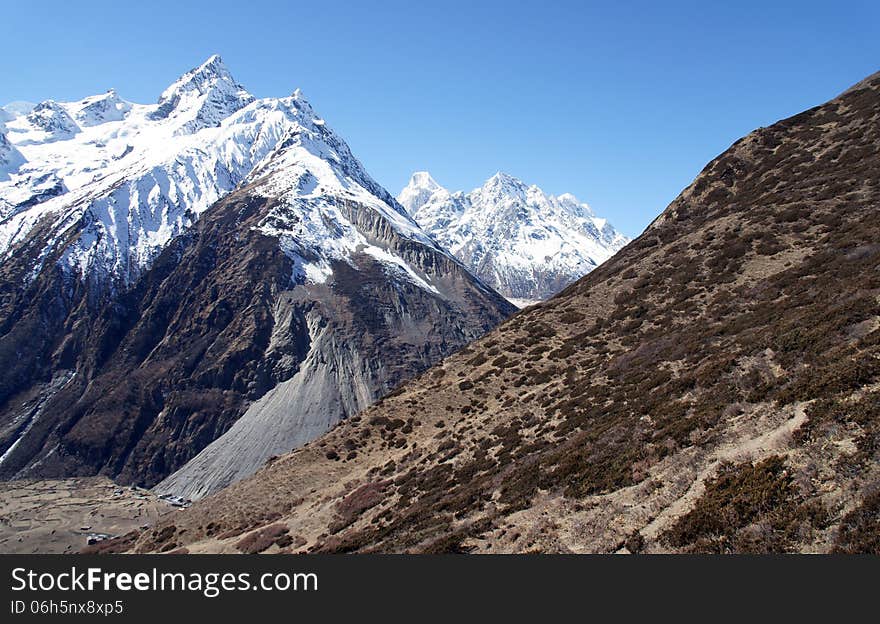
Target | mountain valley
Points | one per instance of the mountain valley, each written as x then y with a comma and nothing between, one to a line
711,388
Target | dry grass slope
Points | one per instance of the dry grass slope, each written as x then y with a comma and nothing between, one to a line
712,388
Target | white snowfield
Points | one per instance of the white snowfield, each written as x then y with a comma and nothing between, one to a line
523,242
129,177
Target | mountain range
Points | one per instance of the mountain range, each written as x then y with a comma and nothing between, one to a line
526,244
190,287
713,387
210,296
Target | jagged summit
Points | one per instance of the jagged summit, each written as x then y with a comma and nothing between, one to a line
202,97
53,119
103,161
526,244
505,183
423,178
419,190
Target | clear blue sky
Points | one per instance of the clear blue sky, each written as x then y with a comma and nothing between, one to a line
620,103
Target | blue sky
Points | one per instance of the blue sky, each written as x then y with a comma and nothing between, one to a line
619,103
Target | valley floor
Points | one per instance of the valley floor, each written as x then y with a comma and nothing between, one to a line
59,516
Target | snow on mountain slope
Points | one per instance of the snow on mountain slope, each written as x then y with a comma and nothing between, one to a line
10,158
201,98
100,109
526,244
14,109
126,178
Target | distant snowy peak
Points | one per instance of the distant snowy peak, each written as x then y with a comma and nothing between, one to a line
53,119
15,109
525,243
504,187
61,120
431,205
419,191
202,97
100,109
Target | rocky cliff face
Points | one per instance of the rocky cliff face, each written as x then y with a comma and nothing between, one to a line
133,339
711,388
365,330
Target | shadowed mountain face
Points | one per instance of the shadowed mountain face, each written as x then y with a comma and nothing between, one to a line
711,388
135,386
142,321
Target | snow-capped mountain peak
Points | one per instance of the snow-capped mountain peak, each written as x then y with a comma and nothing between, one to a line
502,184
419,190
525,243
53,119
202,97
130,177
423,179
15,109
99,109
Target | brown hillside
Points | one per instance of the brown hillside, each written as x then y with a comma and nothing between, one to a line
711,388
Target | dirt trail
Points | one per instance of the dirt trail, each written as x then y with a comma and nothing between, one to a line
737,449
